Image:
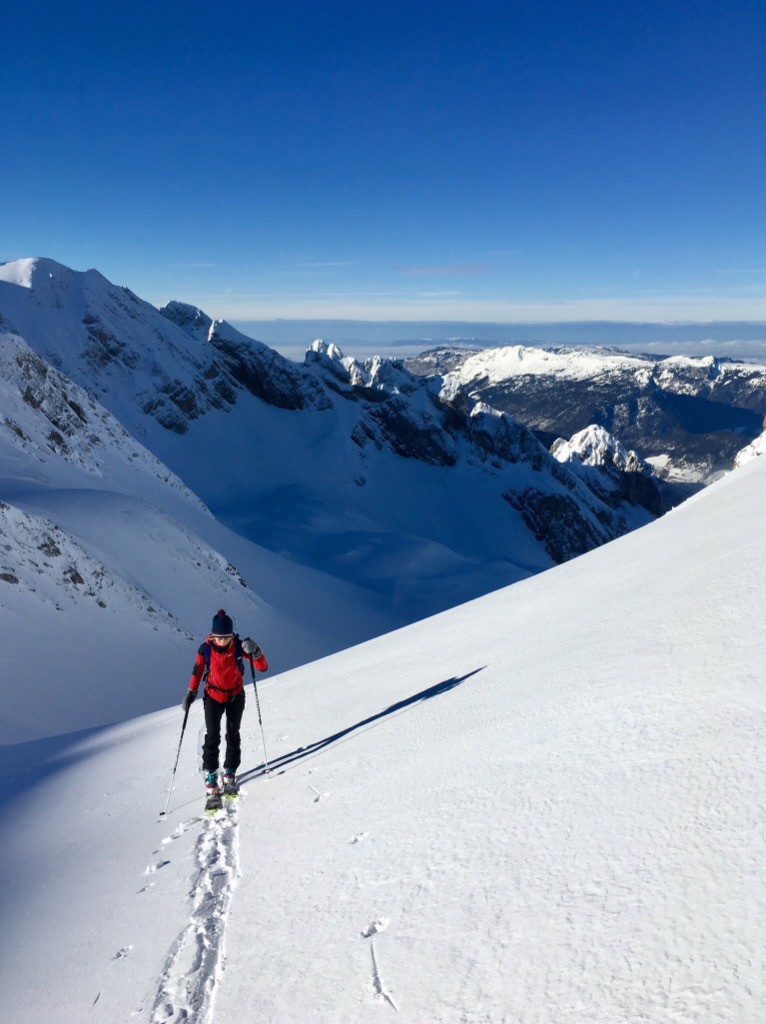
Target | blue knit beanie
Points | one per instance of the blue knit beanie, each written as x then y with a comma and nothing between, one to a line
222,624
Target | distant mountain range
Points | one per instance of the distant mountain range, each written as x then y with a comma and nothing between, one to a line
688,416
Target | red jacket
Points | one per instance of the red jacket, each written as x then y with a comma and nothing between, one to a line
224,680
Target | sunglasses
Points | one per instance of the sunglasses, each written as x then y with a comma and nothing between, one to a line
222,639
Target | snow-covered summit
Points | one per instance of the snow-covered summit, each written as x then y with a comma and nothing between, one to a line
173,367
617,475
329,349
567,363
19,272
595,446
354,376
583,363
192,320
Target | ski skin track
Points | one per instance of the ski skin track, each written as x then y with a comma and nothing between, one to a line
194,965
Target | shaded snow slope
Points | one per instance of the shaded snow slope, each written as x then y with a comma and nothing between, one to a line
51,426
545,805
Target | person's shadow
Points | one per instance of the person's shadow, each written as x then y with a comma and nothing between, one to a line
280,764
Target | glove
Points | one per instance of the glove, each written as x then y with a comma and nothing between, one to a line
188,700
251,647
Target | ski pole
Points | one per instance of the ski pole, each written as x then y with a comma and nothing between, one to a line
260,720
178,754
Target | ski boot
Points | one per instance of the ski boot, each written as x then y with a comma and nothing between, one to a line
214,799
230,784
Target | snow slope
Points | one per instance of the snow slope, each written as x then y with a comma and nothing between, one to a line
545,805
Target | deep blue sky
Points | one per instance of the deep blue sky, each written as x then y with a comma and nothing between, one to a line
482,161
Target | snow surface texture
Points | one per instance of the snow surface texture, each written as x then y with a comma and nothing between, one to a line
543,806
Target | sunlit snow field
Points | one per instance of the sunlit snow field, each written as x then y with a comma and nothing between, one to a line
543,806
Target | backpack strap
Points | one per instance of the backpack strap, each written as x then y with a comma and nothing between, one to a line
204,650
239,654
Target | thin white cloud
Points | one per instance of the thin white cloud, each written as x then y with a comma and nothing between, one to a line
445,269
742,271
321,264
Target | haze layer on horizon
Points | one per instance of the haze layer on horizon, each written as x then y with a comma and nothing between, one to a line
362,338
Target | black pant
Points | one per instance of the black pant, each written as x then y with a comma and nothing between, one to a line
214,712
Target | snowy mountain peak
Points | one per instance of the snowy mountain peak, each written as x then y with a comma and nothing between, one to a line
53,283
328,349
18,272
376,373
174,367
34,272
190,319
617,476
595,446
